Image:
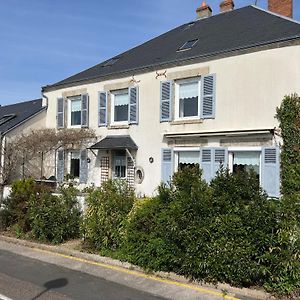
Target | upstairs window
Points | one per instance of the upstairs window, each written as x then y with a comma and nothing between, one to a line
188,99
120,106
75,104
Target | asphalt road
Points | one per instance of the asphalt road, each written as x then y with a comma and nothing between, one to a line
23,278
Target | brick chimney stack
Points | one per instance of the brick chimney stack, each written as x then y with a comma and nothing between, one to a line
204,11
226,5
281,7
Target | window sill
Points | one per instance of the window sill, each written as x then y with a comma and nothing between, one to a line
111,127
183,122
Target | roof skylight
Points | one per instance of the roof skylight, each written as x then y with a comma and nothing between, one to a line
188,45
6,118
111,61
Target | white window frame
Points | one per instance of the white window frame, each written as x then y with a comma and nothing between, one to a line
69,163
231,150
177,102
184,149
113,167
70,99
112,108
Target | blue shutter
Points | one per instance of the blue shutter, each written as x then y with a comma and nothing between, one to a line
270,171
166,165
84,110
102,109
83,174
208,97
133,105
207,163
60,113
166,101
211,161
60,172
220,159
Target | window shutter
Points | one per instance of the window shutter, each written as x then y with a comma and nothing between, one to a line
166,165
206,163
83,175
211,161
60,113
220,159
208,103
166,101
84,110
60,172
270,171
102,109
133,105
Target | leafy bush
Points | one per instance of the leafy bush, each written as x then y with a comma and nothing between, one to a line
15,207
107,208
288,115
228,232
55,218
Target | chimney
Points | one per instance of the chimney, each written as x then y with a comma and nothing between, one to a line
226,5
281,7
204,11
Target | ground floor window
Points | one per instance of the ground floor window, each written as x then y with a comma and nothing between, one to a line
188,159
119,164
75,164
245,161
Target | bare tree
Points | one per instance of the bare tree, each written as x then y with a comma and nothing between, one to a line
24,155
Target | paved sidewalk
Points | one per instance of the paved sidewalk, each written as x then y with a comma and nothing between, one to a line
168,286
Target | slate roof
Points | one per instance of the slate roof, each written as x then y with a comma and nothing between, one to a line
18,113
116,142
242,28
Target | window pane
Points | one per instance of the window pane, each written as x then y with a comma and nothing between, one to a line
121,103
75,118
188,159
246,161
121,113
76,105
75,166
120,166
188,99
76,112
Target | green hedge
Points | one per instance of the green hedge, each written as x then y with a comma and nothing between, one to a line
107,207
31,210
226,232
55,219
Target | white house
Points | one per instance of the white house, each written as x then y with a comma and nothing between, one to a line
203,93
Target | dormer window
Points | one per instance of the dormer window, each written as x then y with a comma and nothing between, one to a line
6,118
188,45
111,62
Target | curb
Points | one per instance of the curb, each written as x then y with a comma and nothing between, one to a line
246,292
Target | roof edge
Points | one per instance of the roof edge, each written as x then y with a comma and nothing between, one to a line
23,121
277,15
124,73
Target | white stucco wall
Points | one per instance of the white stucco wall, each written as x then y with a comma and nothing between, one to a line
248,89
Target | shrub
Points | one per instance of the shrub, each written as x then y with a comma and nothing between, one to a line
228,232
55,218
15,207
107,208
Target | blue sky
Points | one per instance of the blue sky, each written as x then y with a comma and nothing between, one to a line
45,41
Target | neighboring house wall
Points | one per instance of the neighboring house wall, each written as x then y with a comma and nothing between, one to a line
33,167
249,87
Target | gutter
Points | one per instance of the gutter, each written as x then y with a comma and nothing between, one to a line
167,63
219,133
